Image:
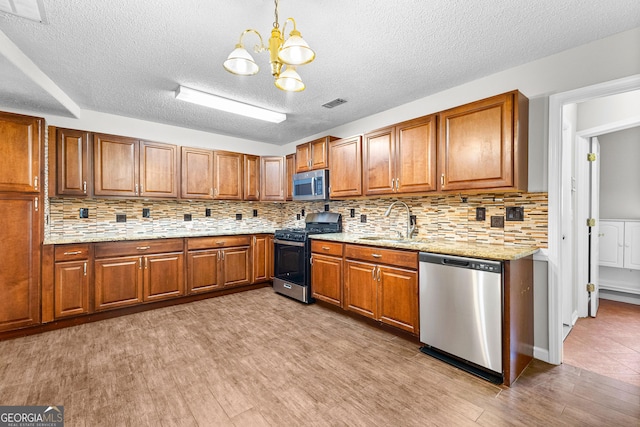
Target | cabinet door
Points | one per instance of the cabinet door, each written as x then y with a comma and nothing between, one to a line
345,156
303,157
476,145
320,153
197,174
378,162
202,270
118,282
398,298
72,163
260,257
251,179
360,288
326,279
291,165
415,156
115,163
273,177
227,175
71,294
632,245
20,242
20,144
611,242
158,170
163,276
236,263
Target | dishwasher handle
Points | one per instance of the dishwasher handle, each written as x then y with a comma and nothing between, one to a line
455,262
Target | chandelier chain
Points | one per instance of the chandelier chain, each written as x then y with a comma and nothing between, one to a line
275,24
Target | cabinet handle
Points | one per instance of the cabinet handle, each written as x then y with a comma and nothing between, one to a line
376,255
220,243
392,184
311,260
325,248
136,189
222,255
35,206
35,182
378,273
140,263
84,187
146,263
397,184
211,191
442,180
143,248
254,240
141,190
373,273
84,268
73,253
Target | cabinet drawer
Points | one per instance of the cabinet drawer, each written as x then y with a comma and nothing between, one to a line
382,256
217,242
327,248
138,247
71,252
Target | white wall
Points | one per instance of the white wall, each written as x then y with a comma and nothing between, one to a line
608,109
603,60
620,174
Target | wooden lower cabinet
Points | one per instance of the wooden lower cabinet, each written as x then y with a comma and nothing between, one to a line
387,293
262,258
118,282
202,268
326,272
71,291
218,262
163,276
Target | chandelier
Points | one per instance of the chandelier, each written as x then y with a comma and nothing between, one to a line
282,54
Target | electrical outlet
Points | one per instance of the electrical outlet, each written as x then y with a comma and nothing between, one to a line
187,217
238,217
515,213
326,208
207,212
352,213
481,214
302,212
363,218
298,217
121,218
84,213
255,212
497,221
146,213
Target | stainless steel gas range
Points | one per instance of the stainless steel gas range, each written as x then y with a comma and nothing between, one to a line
292,253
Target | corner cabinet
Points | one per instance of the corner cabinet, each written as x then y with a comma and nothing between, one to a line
483,145
345,158
401,159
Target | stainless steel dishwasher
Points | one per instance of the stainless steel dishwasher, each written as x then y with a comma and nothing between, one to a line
461,312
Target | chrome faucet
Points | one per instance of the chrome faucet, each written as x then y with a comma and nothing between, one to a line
410,227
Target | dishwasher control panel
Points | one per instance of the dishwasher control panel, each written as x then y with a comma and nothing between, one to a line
483,266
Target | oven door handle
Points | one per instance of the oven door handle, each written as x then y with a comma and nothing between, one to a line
289,243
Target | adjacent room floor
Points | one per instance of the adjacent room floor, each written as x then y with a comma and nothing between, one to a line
608,344
257,358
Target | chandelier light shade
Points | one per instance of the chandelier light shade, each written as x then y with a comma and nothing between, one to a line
289,54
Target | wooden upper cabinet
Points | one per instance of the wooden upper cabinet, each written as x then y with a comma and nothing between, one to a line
345,158
401,158
158,170
273,179
115,163
227,178
484,144
72,163
20,151
291,168
197,174
313,155
251,179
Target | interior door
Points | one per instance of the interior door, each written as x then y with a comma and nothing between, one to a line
594,233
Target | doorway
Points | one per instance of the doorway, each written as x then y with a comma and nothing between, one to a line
561,240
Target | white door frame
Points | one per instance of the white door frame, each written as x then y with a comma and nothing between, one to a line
555,191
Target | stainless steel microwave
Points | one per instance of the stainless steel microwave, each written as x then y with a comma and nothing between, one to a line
312,185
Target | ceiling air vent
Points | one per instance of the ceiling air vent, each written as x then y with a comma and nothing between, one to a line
334,103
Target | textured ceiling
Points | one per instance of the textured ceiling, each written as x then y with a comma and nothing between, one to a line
127,57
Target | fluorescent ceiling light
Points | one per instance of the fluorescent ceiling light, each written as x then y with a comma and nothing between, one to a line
30,9
228,105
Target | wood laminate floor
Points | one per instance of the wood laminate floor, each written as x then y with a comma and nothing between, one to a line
609,343
259,359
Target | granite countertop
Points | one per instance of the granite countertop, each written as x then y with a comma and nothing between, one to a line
440,246
150,236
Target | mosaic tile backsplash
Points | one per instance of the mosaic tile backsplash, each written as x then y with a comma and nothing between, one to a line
450,217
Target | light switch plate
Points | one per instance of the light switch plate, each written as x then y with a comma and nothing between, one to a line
497,221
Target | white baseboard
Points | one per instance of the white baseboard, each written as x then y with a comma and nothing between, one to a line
620,296
541,354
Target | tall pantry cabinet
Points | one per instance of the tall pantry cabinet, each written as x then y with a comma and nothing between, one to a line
21,207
